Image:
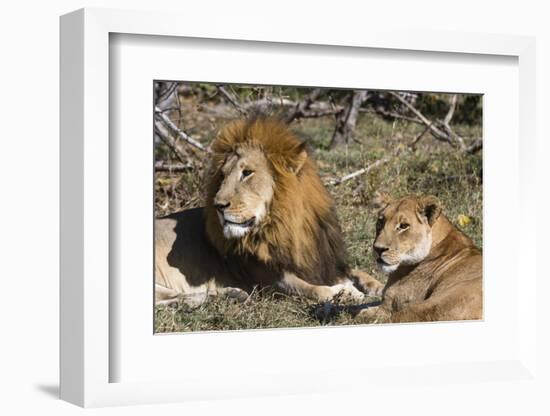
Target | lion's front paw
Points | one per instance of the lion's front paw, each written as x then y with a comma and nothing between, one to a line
347,292
374,288
234,293
368,284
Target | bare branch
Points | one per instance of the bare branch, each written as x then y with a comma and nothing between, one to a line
357,173
417,138
168,91
264,102
447,120
302,107
163,134
347,120
232,99
169,109
475,147
175,168
438,134
285,102
181,134
451,111
391,114
447,134
321,113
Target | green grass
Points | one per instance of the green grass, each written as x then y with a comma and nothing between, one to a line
434,168
259,311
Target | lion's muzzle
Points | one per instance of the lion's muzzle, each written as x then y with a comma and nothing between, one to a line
235,226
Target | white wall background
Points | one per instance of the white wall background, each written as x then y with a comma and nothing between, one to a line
29,182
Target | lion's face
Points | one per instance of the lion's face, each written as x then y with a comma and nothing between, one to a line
245,192
404,232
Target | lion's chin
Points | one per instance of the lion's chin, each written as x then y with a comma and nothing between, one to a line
236,228
385,267
232,231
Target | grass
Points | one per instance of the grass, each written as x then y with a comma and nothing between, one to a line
260,311
434,168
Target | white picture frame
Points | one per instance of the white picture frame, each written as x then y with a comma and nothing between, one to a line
86,351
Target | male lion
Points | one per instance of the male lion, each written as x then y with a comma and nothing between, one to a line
435,271
268,221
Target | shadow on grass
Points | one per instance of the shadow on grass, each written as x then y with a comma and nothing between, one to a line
328,312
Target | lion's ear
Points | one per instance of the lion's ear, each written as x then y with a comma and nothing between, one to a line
430,208
380,200
298,163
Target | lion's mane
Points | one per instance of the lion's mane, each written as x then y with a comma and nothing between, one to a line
301,233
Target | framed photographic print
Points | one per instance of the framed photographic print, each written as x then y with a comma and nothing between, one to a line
267,221
255,215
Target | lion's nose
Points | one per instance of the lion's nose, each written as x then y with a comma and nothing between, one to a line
220,206
379,249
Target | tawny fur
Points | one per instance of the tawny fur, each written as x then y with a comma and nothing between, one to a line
444,285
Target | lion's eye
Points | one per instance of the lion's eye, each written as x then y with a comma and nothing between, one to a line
403,226
246,173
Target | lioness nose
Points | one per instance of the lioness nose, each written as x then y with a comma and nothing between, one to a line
220,206
379,249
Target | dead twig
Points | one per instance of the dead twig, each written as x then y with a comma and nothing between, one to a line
315,106
232,99
391,114
265,102
447,120
347,119
475,147
437,133
320,113
301,108
168,91
359,172
171,167
159,115
413,144
164,135
440,130
451,111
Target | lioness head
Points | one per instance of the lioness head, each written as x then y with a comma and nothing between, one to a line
245,192
404,230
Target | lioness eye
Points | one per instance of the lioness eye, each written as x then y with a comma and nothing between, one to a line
247,172
403,226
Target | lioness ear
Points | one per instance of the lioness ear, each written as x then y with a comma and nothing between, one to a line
380,200
298,163
430,208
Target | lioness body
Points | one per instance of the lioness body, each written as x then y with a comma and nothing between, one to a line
268,221
435,271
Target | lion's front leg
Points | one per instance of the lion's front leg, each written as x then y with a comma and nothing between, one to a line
166,296
234,293
322,293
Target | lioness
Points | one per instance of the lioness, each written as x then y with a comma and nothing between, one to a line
435,271
268,221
